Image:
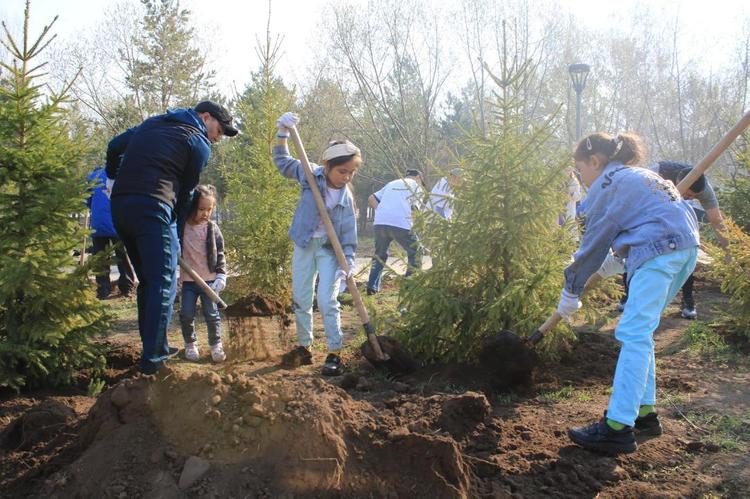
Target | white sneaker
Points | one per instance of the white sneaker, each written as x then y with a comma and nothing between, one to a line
191,351
689,313
217,353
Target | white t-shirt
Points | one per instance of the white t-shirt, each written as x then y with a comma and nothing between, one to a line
441,197
396,200
332,198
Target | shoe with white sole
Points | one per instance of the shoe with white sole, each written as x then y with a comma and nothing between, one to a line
689,313
191,351
217,353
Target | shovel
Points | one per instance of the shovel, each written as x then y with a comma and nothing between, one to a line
202,284
517,363
394,358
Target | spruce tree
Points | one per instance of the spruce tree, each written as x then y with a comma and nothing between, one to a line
498,264
260,202
48,311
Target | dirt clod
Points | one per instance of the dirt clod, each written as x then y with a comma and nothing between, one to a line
508,359
463,413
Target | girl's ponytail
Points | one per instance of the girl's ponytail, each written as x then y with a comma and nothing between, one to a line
626,148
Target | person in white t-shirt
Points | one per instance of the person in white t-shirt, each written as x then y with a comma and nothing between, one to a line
441,196
394,205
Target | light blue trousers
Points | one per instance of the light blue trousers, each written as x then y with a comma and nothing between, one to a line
652,287
307,263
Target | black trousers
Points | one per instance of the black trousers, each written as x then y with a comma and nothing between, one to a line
126,282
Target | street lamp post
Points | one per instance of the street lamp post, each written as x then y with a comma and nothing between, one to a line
578,73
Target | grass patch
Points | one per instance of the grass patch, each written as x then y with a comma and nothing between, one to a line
708,341
555,396
700,338
729,432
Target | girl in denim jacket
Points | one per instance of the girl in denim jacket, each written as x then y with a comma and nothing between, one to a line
641,217
313,255
203,250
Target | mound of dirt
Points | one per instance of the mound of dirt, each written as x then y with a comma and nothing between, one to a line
255,305
271,436
257,329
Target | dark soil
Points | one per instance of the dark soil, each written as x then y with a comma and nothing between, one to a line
257,431
255,305
400,361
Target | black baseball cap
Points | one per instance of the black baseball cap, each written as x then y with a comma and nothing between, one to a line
220,113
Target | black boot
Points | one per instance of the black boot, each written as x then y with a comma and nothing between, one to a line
648,425
600,437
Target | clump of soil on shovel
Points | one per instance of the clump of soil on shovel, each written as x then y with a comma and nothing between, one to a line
509,360
400,361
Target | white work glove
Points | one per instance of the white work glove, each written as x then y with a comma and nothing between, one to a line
219,283
340,274
108,186
569,304
285,122
612,265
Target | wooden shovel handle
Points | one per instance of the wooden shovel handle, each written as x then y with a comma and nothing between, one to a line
550,323
714,153
202,284
334,240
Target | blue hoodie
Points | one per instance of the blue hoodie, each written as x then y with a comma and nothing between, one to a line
636,213
162,158
98,203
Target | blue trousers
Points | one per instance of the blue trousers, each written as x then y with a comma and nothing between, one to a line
652,287
307,263
190,293
148,229
384,235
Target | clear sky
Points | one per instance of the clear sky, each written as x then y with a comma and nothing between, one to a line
708,29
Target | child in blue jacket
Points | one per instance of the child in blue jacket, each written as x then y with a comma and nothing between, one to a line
313,255
641,217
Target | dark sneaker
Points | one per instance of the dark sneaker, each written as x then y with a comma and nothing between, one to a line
371,292
147,367
333,365
648,425
172,352
599,436
299,356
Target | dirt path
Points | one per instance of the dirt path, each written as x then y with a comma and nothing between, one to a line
261,431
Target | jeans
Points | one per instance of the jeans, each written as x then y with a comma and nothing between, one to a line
126,282
190,293
147,228
653,285
384,235
307,263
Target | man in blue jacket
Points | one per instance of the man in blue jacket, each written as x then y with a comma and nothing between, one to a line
104,237
155,167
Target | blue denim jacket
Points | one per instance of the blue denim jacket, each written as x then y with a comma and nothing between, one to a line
306,218
636,213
